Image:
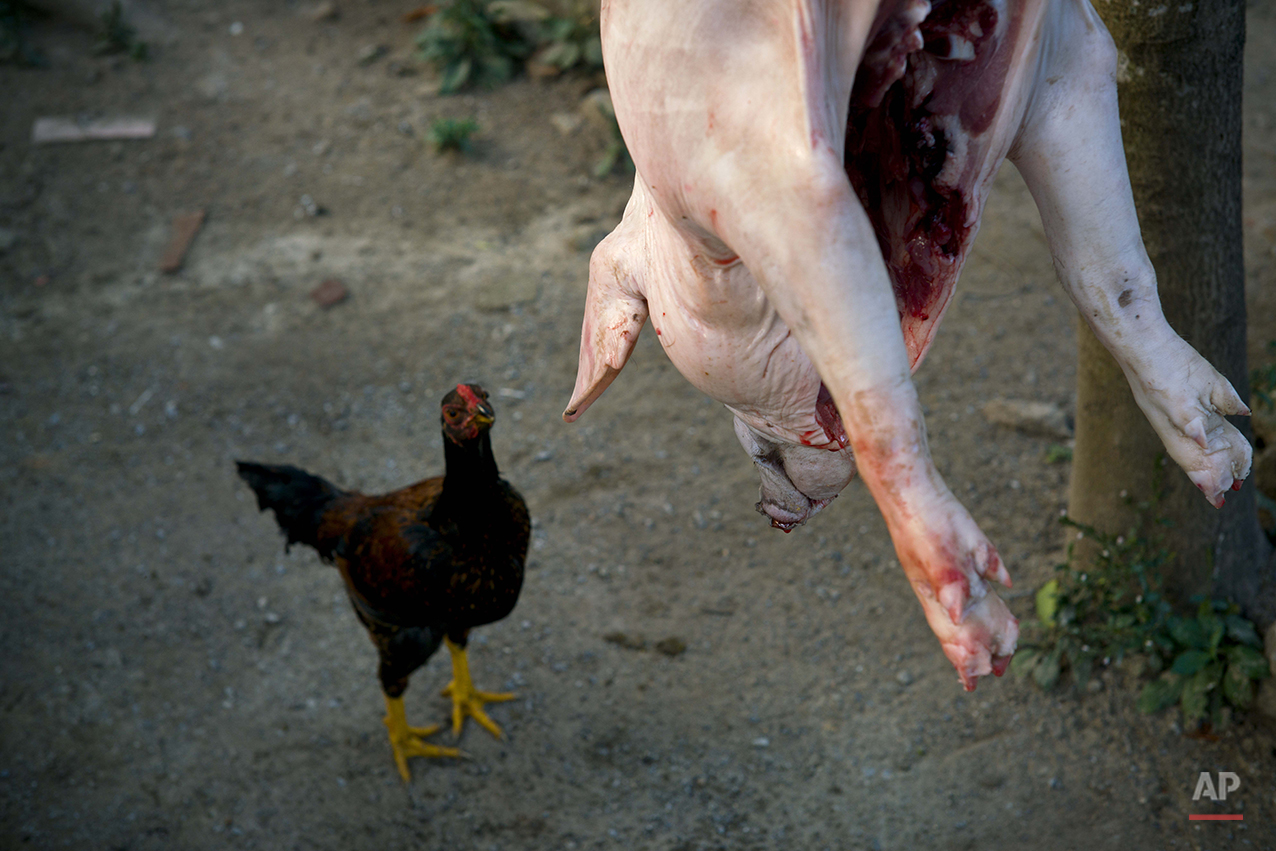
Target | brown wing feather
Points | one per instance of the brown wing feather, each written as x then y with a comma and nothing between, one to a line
379,547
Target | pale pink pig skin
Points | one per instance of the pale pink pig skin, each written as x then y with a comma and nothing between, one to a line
810,178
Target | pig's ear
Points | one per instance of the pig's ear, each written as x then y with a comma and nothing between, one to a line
614,314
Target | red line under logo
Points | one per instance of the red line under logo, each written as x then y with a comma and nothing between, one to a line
1199,817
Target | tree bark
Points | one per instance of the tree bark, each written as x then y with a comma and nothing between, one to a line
1179,83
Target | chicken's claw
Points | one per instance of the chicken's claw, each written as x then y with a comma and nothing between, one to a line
467,700
408,741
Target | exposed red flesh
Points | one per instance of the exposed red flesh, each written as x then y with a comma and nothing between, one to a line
827,416
920,84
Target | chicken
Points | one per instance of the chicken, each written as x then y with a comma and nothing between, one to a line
422,565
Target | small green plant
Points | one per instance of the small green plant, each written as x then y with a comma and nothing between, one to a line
1216,658
571,40
1097,614
118,35
14,46
1262,380
1057,453
1112,608
470,45
452,134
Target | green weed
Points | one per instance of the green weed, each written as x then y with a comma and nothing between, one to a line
1215,659
1057,453
118,35
469,45
571,40
452,134
1098,614
14,47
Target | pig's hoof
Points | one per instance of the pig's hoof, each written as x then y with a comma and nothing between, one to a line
1186,399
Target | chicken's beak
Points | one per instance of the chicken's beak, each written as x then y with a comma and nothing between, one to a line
483,415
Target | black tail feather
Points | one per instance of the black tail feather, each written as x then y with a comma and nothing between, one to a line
298,499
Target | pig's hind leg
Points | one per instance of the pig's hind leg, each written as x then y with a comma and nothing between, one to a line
1070,155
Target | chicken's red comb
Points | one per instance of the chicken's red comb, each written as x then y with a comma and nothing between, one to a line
468,395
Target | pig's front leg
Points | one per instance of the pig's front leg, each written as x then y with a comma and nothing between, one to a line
946,557
1069,153
798,227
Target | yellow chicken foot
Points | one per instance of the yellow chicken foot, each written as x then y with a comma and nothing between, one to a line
466,700
408,741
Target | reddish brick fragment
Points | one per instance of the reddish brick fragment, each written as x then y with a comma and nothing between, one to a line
185,226
330,293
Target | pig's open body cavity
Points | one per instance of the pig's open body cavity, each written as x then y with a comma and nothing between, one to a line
810,178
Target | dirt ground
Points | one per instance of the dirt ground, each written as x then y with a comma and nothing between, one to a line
169,678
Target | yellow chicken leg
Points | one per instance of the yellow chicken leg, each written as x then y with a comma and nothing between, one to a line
408,741
466,700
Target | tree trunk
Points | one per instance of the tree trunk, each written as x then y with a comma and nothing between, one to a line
1179,82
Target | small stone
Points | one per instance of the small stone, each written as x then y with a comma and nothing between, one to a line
307,206
565,122
330,293
371,53
904,678
325,11
505,290
8,239
671,646
213,86
598,108
1038,419
625,640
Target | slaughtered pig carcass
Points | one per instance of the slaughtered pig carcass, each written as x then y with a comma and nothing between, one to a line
810,178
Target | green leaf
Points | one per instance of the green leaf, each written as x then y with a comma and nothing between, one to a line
1160,693
607,161
1214,629
563,54
1188,633
1047,670
1248,662
1024,661
1165,643
1048,602
1189,662
523,11
1238,688
1195,700
1241,630
456,74
1057,453
558,29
